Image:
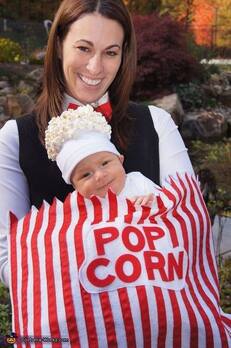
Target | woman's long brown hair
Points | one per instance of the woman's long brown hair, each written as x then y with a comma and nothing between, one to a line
49,103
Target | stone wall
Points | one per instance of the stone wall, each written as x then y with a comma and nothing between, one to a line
19,86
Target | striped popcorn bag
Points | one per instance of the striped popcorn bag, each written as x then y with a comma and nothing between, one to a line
98,273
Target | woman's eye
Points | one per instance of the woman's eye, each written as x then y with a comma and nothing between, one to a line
83,48
112,53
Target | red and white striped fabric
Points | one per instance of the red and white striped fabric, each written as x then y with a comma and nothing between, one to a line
104,275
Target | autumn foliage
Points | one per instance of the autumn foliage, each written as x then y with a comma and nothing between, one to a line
203,22
163,57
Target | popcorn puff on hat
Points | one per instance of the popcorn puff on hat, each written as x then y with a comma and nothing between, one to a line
76,134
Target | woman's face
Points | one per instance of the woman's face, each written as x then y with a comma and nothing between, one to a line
91,55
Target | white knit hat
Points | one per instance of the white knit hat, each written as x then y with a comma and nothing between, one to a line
76,134
74,150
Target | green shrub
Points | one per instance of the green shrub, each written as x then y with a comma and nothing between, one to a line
225,284
5,311
192,96
208,70
199,51
215,158
10,51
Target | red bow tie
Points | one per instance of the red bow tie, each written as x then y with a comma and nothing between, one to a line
105,109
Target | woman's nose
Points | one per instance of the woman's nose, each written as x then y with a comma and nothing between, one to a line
94,65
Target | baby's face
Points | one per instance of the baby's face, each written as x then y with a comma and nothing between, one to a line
97,173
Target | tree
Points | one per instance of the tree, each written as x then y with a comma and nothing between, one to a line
222,15
178,9
144,6
209,20
28,9
203,22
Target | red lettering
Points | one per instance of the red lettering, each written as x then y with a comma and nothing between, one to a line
158,264
99,282
153,233
103,236
119,268
127,231
174,265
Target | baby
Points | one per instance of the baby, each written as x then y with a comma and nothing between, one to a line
79,141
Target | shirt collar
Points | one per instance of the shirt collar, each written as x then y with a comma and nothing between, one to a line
70,100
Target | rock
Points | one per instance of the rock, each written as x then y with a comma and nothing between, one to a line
26,103
225,97
171,103
38,55
18,105
226,111
7,90
13,107
24,88
2,114
204,125
3,120
3,117
217,84
4,84
4,78
219,87
3,101
35,75
228,76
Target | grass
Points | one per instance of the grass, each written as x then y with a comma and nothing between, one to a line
5,311
225,283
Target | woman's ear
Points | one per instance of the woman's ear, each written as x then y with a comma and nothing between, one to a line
121,158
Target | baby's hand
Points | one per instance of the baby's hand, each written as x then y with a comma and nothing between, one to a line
146,200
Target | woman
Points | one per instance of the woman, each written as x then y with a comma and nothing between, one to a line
91,58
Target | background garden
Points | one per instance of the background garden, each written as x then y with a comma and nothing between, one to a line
184,66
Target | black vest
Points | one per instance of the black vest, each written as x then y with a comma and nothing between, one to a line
44,177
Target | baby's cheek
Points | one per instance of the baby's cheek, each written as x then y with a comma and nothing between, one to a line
88,189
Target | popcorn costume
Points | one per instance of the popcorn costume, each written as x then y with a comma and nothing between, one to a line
97,273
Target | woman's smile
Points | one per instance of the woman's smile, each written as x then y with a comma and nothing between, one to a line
89,81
